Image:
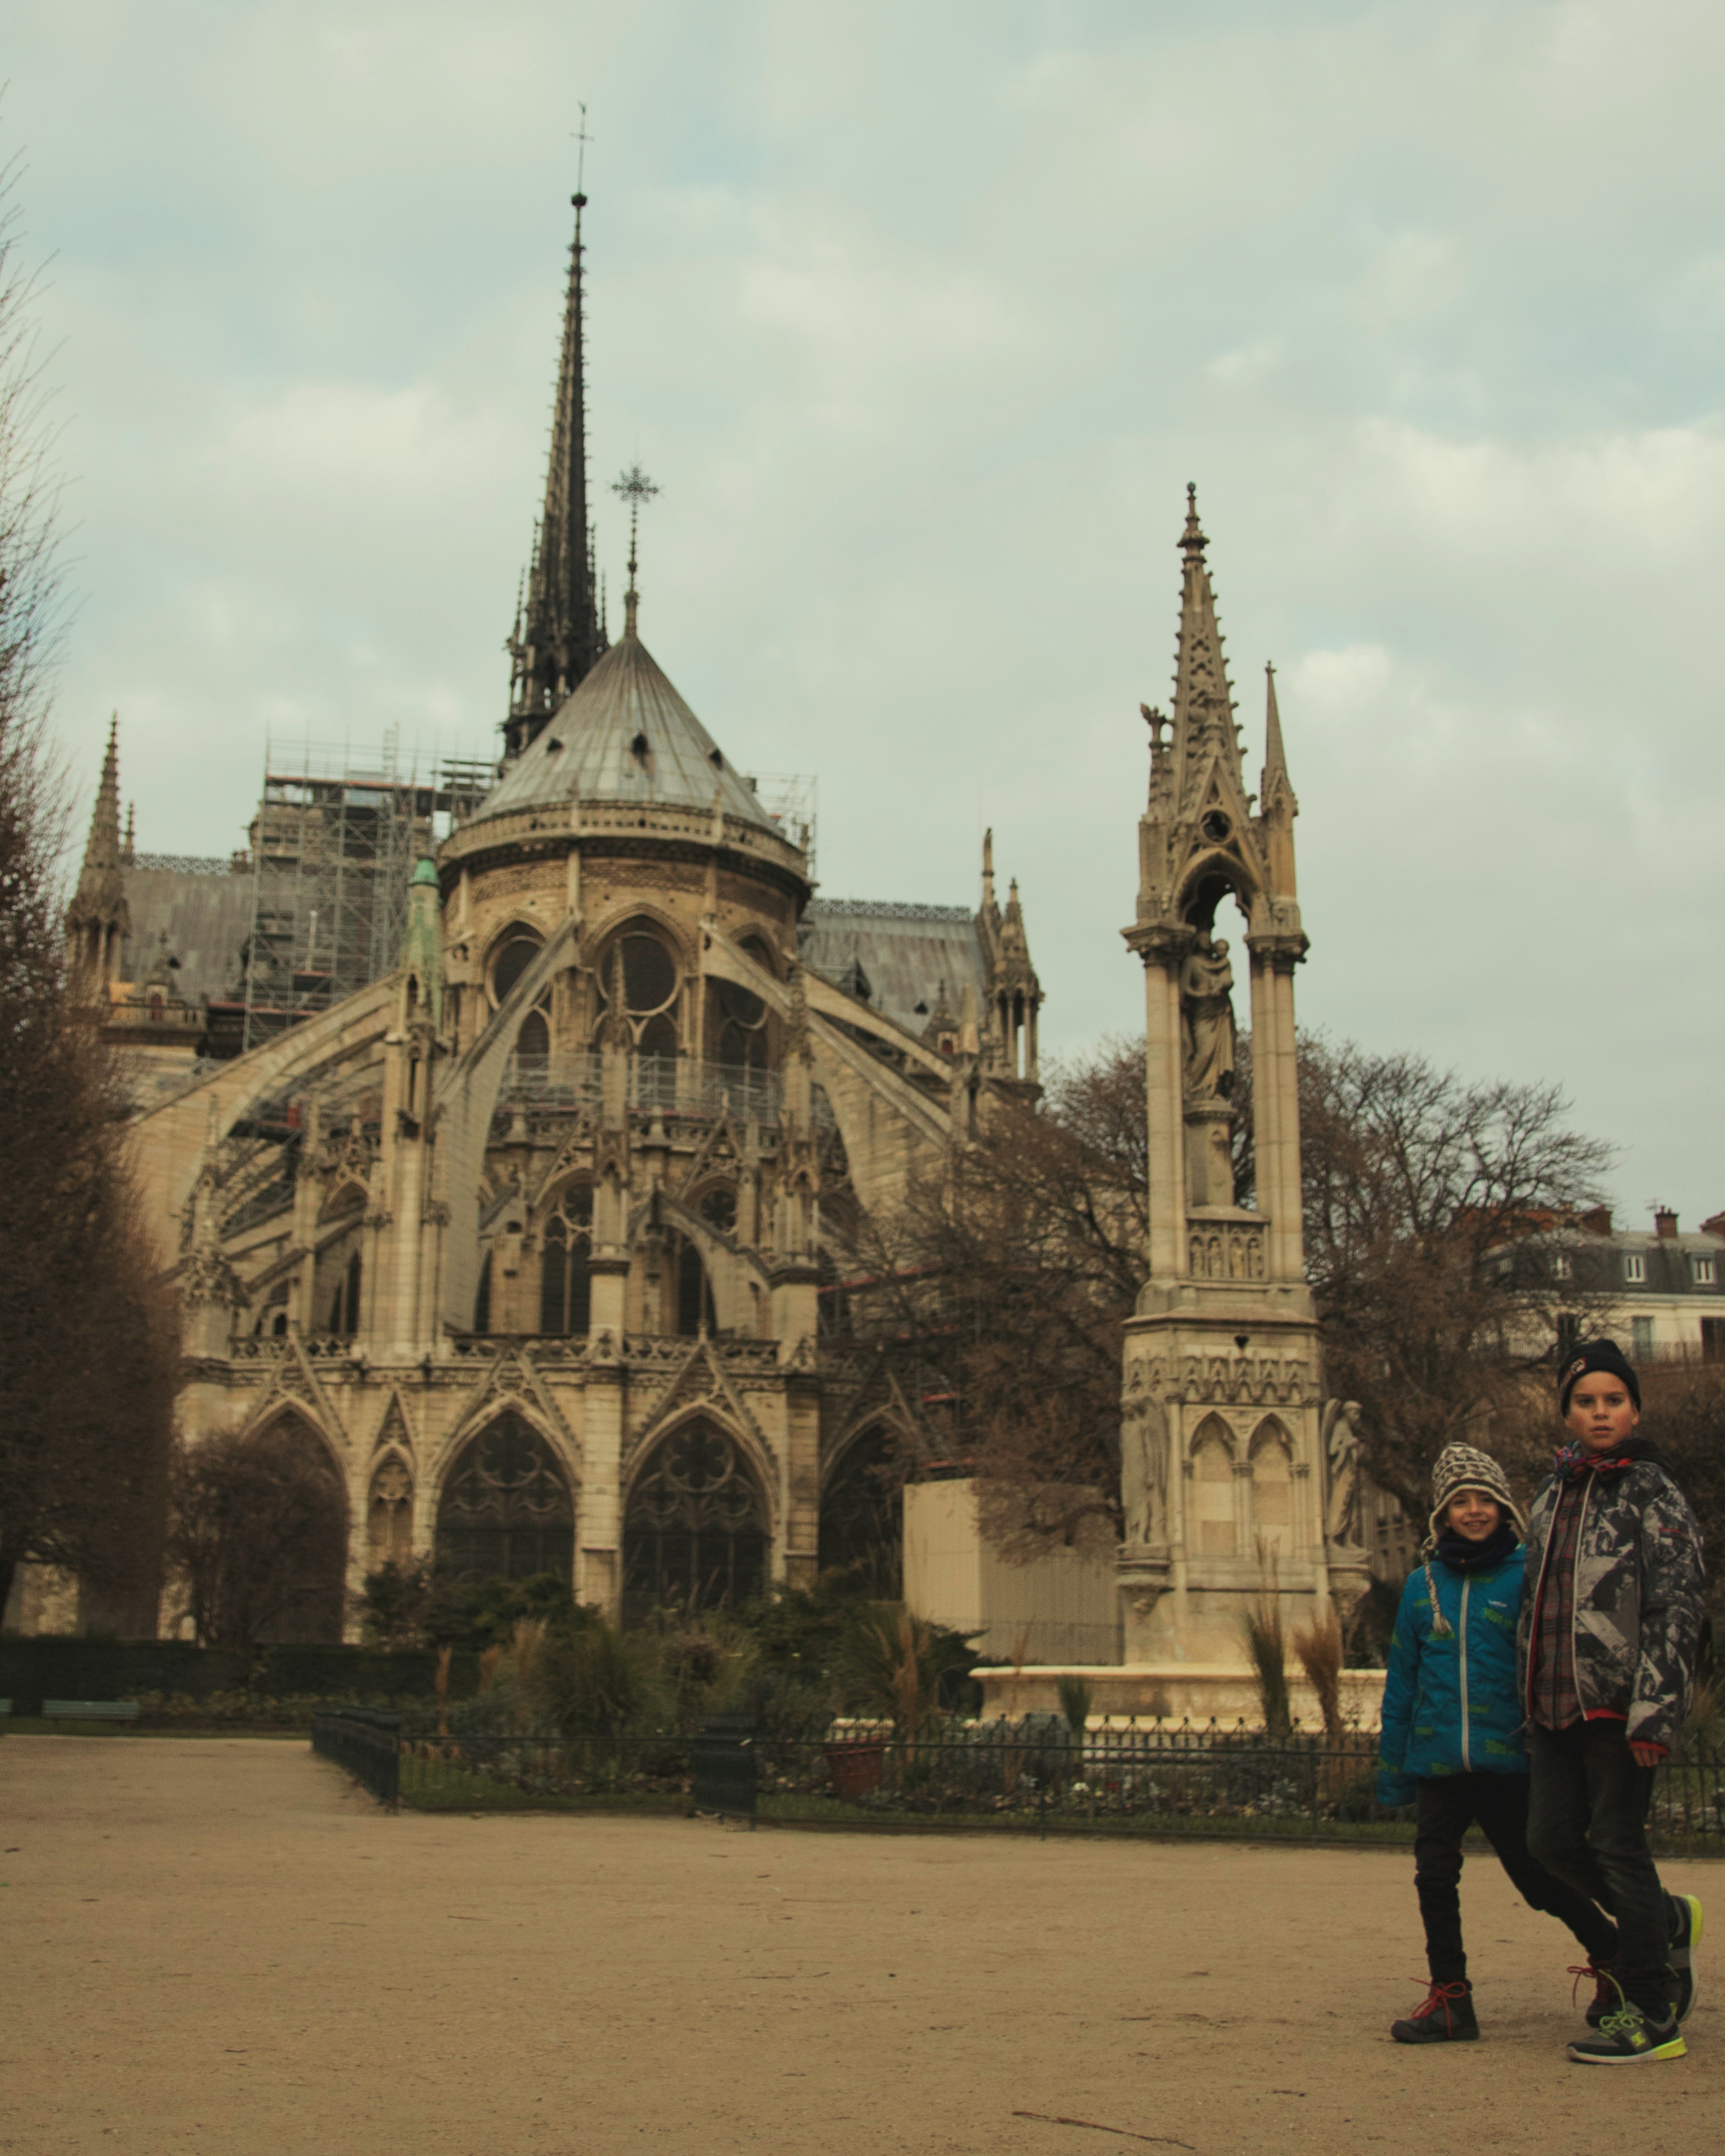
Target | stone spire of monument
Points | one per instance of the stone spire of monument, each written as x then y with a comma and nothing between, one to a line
1204,701
557,637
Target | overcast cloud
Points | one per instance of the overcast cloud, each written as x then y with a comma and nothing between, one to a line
922,316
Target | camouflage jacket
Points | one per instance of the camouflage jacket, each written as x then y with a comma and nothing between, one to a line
1640,1593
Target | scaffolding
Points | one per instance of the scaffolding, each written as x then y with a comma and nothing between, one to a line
792,798
333,845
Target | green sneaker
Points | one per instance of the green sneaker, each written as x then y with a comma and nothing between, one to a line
1686,1937
1629,2038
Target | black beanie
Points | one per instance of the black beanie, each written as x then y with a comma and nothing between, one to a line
1596,1355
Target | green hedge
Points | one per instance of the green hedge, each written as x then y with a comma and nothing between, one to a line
56,1667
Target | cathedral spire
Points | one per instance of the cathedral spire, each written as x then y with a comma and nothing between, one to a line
97,918
1204,703
557,637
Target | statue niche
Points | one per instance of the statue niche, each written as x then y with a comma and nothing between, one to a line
1207,1041
1207,1021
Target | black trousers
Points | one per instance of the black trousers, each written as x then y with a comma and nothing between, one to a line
1450,1803
1588,1823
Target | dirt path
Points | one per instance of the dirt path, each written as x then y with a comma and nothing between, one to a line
222,1946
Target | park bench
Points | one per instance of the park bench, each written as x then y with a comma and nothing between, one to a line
89,1710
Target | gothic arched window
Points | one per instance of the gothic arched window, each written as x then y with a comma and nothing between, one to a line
695,1295
310,1600
695,1533
344,1309
565,1284
862,1517
514,954
650,986
533,1043
506,1512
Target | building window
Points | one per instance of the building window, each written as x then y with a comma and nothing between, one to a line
1642,1343
1703,1272
1568,1332
695,1532
649,989
1712,1340
1634,1267
565,1282
506,1511
512,959
1562,1266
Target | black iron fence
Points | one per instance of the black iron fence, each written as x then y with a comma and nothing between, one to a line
1035,1775
365,1743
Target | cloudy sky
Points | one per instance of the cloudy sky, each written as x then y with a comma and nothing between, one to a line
922,316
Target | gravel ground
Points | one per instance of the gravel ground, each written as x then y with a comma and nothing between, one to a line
222,1946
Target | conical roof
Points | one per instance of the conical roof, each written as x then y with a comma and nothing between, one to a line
624,734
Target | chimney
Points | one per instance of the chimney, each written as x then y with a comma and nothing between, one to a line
1665,1222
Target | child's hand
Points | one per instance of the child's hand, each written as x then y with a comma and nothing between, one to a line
1647,1755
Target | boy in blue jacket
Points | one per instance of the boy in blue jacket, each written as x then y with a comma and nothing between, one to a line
1452,1732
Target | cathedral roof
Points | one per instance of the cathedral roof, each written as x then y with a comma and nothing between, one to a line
624,734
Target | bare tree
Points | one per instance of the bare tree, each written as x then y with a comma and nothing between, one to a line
1420,1191
1002,1285
88,1353
256,1532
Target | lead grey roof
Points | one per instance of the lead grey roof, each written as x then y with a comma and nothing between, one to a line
905,951
206,907
589,748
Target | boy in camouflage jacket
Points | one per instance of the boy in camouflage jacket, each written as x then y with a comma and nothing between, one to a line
1610,1631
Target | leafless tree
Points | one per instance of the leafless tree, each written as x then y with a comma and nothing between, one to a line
1002,1284
1420,1191
256,1530
87,1349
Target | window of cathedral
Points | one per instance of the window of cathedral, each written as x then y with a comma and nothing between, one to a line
566,1252
695,1531
506,1512
719,1207
533,1043
482,1297
862,1515
742,1027
650,982
311,1609
695,1294
344,1308
516,952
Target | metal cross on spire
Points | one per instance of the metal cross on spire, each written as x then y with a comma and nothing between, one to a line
580,137
634,487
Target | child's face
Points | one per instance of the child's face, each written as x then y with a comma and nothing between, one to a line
1601,1413
1473,1515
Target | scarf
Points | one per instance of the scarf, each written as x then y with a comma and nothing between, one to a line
1461,1555
1573,1460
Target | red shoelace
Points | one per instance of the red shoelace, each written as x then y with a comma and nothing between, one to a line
1606,1987
1444,1995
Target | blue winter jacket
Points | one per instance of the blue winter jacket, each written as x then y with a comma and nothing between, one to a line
1451,1705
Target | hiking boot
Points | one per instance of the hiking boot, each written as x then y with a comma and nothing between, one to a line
1604,1998
1686,1937
1444,2015
1629,2037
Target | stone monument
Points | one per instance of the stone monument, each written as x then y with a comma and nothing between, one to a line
1236,1475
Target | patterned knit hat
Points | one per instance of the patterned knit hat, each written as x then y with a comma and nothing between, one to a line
1464,1467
